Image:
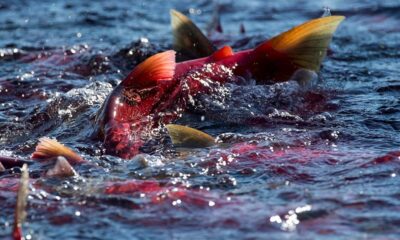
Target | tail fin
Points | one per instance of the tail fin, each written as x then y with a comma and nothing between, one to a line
20,208
188,38
304,46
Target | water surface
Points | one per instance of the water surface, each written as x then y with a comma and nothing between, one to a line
317,169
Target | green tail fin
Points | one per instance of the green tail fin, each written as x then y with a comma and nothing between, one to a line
306,44
188,38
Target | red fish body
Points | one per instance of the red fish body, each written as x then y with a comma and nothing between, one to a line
156,91
159,194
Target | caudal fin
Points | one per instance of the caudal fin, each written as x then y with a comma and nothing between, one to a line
20,208
187,137
303,46
188,38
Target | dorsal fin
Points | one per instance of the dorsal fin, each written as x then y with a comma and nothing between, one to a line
2,168
222,53
22,198
215,23
304,45
187,137
242,29
188,39
62,168
156,68
51,148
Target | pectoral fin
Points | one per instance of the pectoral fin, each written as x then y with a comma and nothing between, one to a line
187,137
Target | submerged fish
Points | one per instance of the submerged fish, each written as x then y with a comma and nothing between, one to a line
156,91
159,193
60,157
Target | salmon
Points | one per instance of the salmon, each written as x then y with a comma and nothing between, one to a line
157,90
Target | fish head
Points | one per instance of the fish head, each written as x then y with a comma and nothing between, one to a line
126,117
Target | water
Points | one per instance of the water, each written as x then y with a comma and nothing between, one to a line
296,163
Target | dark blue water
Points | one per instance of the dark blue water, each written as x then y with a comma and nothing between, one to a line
319,168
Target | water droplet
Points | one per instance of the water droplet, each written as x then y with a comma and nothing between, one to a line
327,12
177,202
